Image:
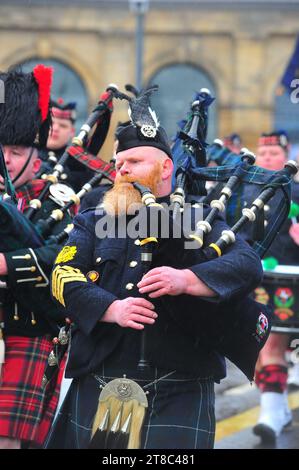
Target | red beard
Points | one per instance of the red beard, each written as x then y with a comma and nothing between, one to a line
123,198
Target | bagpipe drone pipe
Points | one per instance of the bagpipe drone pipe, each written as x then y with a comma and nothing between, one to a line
189,150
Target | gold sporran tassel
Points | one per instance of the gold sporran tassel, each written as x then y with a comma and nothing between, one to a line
120,413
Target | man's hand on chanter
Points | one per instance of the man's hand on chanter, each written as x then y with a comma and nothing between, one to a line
170,281
131,312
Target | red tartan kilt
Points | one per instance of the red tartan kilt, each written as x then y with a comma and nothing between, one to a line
26,409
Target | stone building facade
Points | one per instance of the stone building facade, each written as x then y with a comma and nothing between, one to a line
241,47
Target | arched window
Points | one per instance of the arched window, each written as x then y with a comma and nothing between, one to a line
177,86
66,84
286,117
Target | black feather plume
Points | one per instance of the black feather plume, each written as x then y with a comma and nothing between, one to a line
20,117
140,112
132,89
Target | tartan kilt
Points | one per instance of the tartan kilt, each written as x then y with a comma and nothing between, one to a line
180,412
26,409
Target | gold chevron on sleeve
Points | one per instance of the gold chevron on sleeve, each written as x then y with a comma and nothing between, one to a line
62,280
61,276
66,274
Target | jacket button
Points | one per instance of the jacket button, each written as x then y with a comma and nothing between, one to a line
266,207
129,286
137,242
133,264
98,260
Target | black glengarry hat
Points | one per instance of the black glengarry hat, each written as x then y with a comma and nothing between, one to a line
144,130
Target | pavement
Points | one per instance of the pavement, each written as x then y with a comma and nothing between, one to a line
237,411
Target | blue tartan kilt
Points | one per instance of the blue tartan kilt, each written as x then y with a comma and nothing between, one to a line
180,412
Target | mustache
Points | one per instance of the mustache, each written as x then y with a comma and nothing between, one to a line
126,180
149,181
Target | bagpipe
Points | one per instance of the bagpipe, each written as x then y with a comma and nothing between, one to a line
238,329
30,229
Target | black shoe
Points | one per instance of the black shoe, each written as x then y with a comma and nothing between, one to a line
266,433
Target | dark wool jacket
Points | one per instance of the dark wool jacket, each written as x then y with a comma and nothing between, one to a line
92,272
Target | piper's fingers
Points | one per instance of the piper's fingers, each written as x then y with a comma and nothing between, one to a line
136,317
140,302
152,272
158,293
134,325
144,311
152,287
145,281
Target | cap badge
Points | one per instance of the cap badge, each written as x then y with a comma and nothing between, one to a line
148,131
